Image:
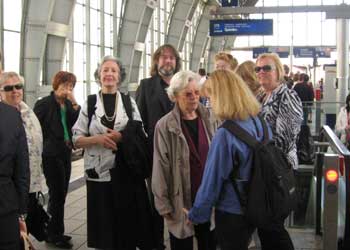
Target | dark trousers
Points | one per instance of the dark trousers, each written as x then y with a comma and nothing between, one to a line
276,238
232,230
9,232
305,114
57,172
205,239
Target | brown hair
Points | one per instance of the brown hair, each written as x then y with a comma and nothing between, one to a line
227,58
158,53
246,71
62,77
230,97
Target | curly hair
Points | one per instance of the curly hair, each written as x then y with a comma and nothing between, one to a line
158,53
63,77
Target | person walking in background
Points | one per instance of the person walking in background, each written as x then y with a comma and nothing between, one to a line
342,126
181,143
57,113
282,109
153,103
231,100
287,79
306,95
12,83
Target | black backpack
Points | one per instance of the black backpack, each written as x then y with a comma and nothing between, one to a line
305,146
269,196
134,150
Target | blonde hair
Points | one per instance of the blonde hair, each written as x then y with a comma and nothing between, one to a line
230,97
246,71
227,58
278,64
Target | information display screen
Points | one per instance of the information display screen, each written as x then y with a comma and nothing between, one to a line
241,27
229,3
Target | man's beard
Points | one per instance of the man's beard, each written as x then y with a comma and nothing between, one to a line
166,72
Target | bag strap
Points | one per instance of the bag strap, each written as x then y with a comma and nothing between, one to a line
233,175
240,133
91,103
127,105
265,129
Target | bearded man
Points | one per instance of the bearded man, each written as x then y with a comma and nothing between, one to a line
153,103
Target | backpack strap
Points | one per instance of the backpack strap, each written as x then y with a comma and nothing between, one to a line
240,133
233,176
127,105
91,102
265,129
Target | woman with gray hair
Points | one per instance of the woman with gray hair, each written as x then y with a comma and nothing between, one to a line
181,143
113,201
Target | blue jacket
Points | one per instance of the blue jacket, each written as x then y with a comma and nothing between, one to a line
216,189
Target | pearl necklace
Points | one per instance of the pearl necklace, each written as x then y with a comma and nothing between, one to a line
110,118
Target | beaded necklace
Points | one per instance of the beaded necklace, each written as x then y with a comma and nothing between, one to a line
110,118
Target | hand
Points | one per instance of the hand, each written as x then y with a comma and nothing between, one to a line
188,222
105,141
114,135
22,226
70,96
168,216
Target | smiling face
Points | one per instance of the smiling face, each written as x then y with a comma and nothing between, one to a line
188,98
110,76
167,63
12,91
268,79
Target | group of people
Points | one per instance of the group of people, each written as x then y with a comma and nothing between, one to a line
192,156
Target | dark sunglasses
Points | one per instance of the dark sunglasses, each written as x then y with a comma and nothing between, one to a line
9,88
265,68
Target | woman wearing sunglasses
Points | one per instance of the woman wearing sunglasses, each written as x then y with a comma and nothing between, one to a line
11,91
282,109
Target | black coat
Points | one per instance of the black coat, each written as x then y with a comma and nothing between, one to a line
48,112
153,103
14,162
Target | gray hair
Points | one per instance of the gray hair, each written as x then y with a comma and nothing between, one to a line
122,72
8,75
180,81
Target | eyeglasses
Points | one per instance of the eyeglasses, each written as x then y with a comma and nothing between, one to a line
9,88
265,68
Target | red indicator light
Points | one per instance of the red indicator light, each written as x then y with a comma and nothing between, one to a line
332,175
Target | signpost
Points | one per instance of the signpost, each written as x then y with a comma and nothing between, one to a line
241,27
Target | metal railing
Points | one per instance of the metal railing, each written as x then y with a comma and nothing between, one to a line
332,155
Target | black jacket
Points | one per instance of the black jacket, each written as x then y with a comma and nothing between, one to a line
14,162
48,112
153,103
304,91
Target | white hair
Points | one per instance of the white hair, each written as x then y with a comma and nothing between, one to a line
11,74
180,81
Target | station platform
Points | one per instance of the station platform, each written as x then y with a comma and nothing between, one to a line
75,220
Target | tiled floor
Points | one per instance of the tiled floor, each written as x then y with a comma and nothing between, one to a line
75,220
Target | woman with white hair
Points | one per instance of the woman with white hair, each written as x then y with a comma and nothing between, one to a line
115,202
181,143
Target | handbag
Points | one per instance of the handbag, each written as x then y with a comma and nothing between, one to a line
37,218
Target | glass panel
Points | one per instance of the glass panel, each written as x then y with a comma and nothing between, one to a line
314,29
329,32
12,17
299,29
108,6
285,3
283,29
95,59
95,4
314,2
79,90
108,31
95,27
79,61
81,1
11,51
79,23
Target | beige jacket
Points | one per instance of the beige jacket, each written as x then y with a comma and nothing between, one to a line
171,169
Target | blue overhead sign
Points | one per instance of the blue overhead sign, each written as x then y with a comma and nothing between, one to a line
304,52
241,27
229,3
282,52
